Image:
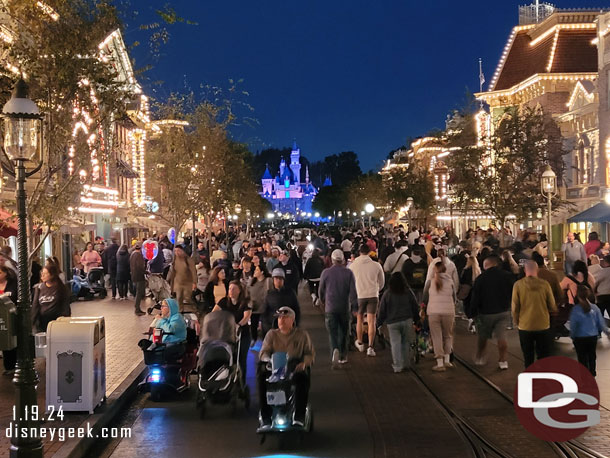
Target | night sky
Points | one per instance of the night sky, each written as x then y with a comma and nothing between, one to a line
337,75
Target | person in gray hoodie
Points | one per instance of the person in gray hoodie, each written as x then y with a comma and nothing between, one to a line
573,251
338,294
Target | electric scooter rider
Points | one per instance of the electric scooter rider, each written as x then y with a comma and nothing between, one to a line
296,343
172,322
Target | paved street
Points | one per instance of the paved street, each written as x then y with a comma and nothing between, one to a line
123,330
363,410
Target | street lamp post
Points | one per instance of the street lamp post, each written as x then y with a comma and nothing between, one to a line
369,208
548,186
22,131
409,205
192,191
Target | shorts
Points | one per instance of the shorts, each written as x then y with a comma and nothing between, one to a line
368,305
493,324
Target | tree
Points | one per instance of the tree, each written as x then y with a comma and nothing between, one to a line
197,167
365,189
501,175
410,177
330,199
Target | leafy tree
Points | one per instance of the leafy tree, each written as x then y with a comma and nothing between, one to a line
330,199
502,175
410,178
365,189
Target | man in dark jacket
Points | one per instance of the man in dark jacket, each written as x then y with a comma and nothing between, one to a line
278,297
109,261
490,303
292,271
137,265
415,270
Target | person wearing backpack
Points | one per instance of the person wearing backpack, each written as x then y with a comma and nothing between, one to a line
415,270
586,323
581,276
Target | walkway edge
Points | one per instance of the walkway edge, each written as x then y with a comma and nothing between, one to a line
126,391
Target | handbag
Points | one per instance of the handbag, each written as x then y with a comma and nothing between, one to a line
464,291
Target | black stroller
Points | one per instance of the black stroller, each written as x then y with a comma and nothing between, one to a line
90,286
219,376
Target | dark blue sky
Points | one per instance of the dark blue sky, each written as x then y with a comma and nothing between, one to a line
339,75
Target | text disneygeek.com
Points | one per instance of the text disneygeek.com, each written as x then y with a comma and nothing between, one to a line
63,433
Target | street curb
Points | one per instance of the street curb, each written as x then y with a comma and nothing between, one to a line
125,392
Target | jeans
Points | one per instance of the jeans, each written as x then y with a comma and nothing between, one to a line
140,290
401,336
255,318
538,342
301,394
337,325
586,352
122,287
244,347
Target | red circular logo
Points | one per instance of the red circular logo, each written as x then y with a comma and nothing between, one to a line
557,399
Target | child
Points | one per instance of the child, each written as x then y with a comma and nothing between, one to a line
586,323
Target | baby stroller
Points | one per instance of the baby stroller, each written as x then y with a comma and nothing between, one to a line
159,289
220,378
89,286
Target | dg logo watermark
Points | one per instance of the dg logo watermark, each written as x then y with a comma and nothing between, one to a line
557,399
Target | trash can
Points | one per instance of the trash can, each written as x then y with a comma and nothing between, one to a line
76,360
8,329
40,344
99,350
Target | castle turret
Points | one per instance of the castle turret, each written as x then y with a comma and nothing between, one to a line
295,162
267,181
282,166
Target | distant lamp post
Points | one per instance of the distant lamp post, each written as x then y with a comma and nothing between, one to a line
192,192
409,206
369,208
22,132
548,187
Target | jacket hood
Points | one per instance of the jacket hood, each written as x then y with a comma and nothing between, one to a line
173,307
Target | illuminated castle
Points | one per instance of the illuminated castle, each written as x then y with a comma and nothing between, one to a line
285,191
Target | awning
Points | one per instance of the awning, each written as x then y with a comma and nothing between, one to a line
599,213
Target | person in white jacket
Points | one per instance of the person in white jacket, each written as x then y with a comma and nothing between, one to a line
369,281
439,297
450,268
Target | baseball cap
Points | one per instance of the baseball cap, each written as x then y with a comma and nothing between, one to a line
285,311
337,255
277,272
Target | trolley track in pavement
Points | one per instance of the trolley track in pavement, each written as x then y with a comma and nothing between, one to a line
569,449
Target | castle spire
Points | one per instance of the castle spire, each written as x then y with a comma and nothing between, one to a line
307,174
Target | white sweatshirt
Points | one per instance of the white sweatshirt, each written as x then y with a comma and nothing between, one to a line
369,276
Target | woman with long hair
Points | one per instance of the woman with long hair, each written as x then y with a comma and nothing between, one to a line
469,275
398,308
440,297
236,302
217,287
580,276
586,323
51,299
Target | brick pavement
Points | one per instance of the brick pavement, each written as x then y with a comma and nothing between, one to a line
123,330
597,437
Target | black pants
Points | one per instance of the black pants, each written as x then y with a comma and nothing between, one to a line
140,290
301,394
9,359
255,318
113,284
538,342
122,287
603,302
313,286
586,352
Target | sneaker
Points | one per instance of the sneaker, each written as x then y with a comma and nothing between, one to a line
510,327
503,365
397,370
265,423
335,358
479,362
370,352
448,364
359,346
313,298
140,313
439,368
343,361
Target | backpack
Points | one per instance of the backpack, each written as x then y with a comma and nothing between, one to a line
569,299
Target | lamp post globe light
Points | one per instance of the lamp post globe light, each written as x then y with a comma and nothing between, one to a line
369,208
548,187
409,206
22,132
192,192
